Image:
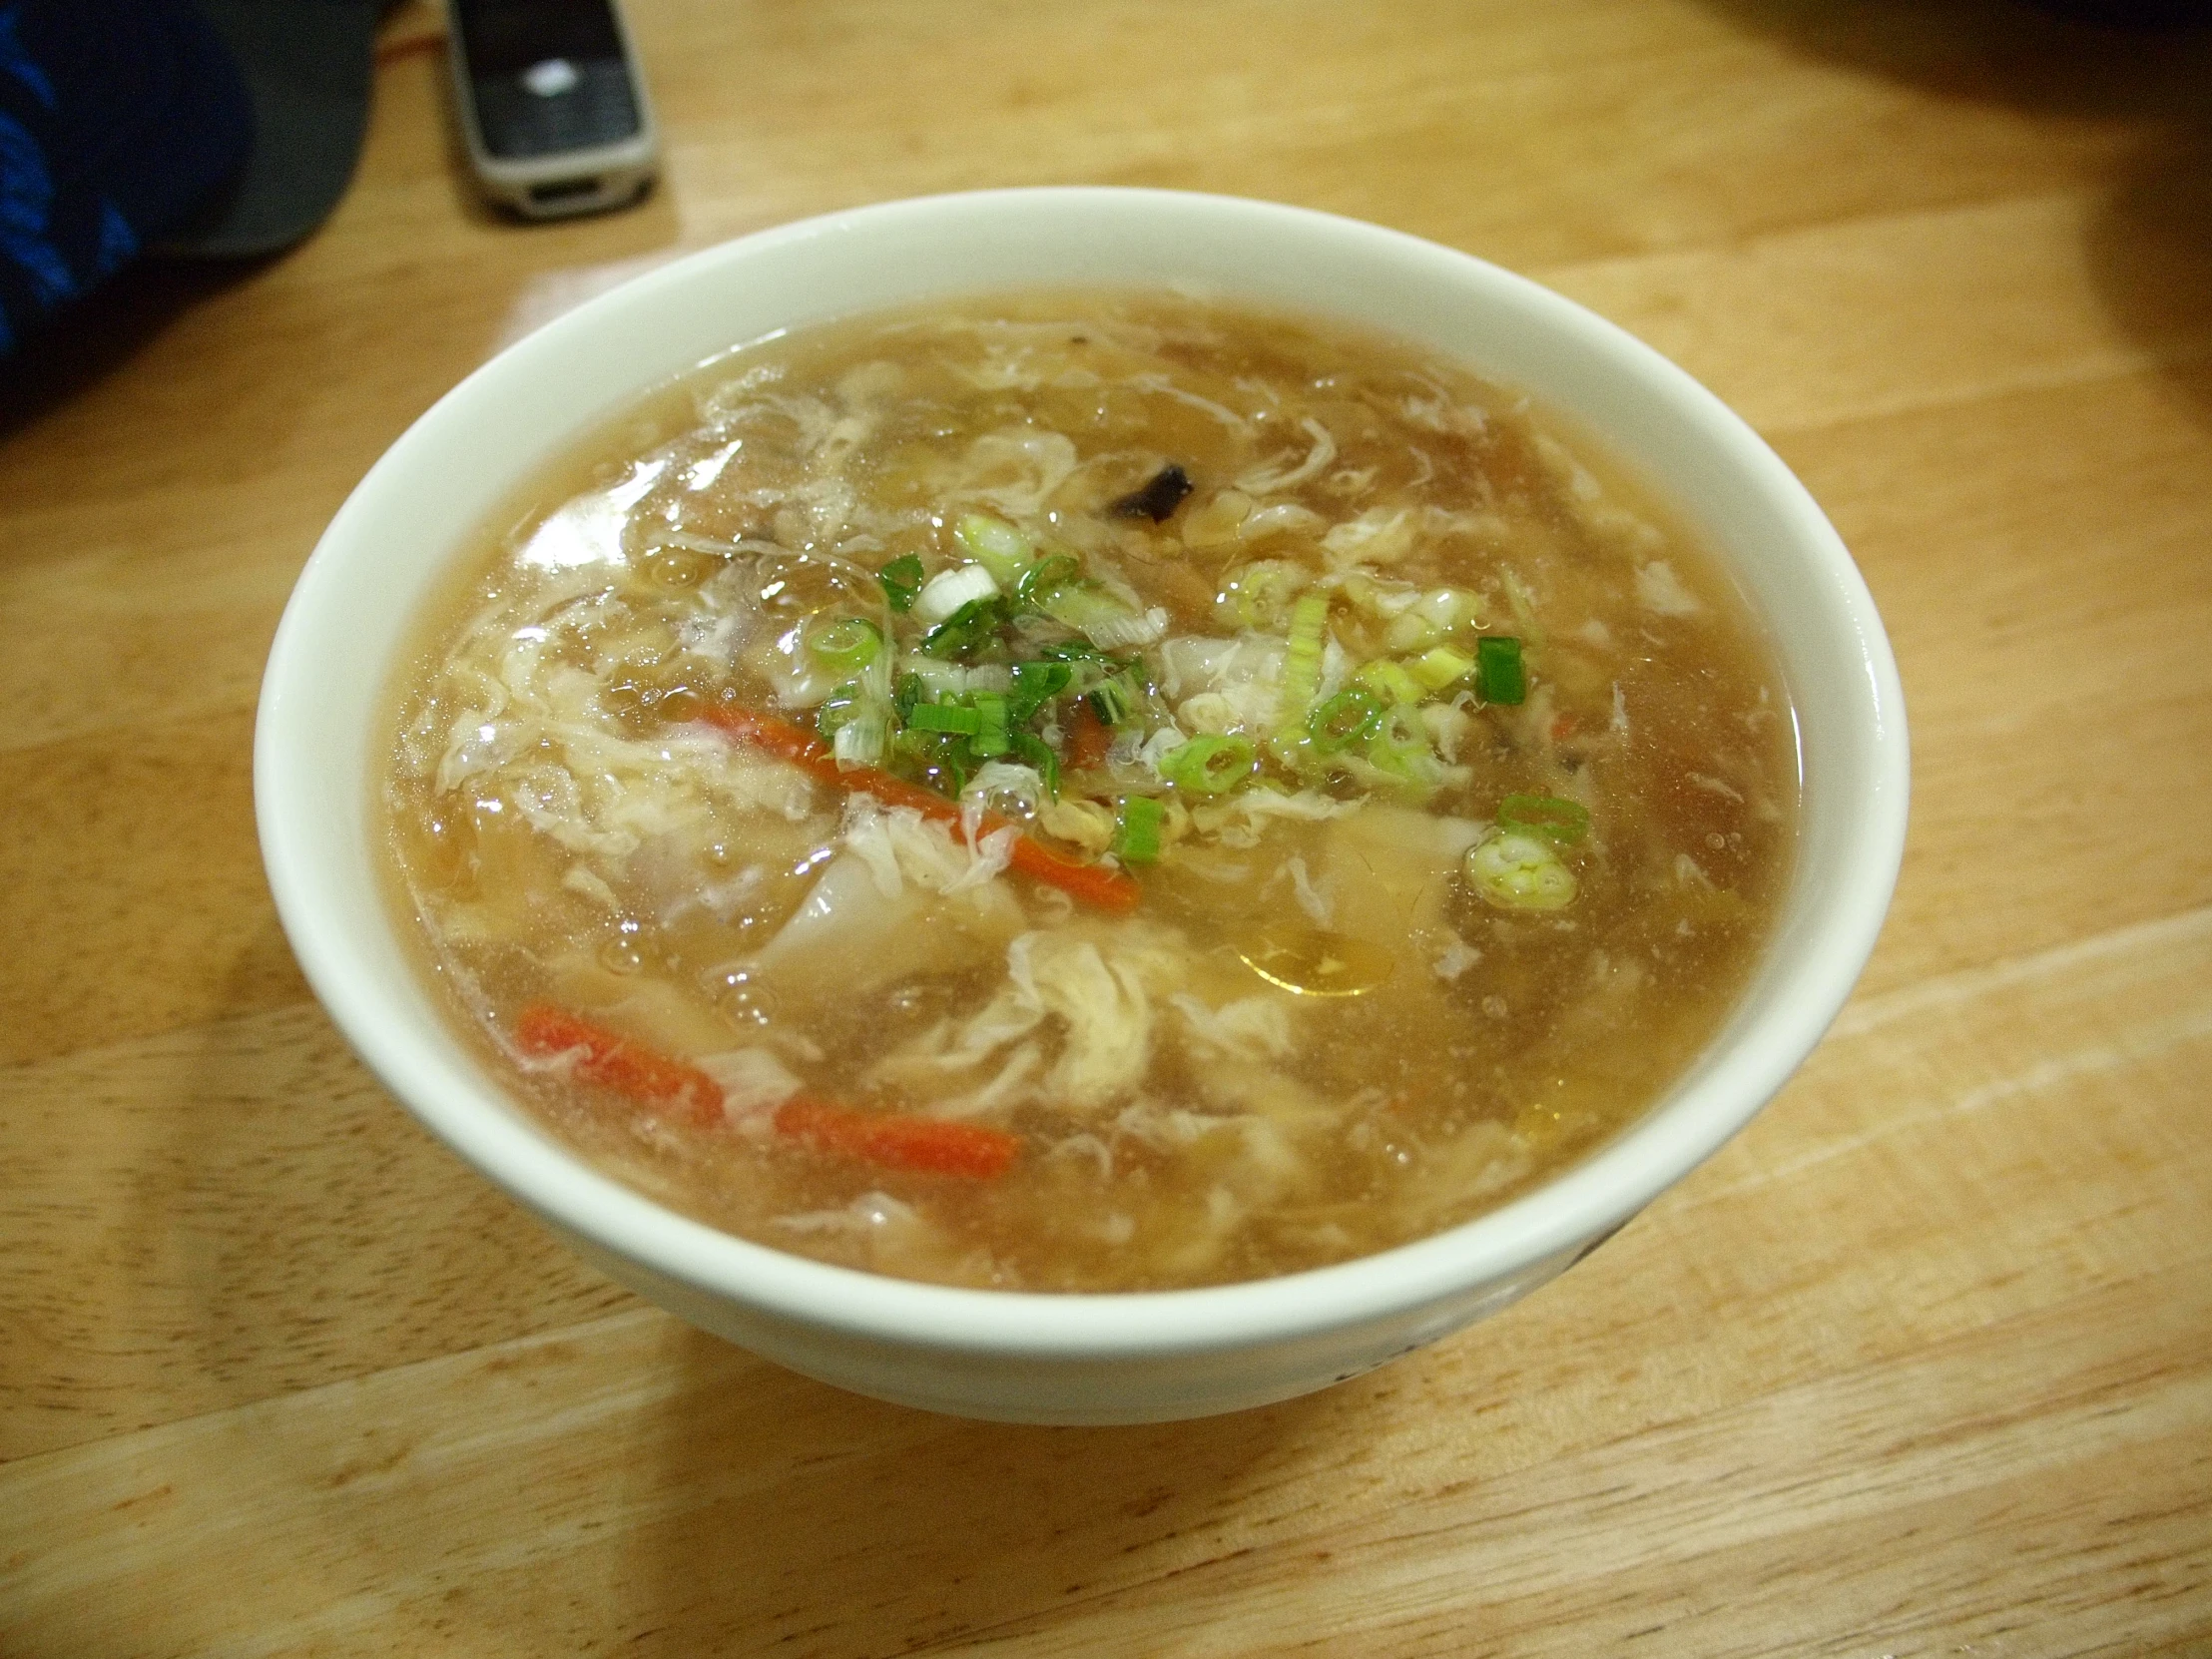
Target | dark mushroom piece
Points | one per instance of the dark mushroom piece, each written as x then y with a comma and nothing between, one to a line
1158,499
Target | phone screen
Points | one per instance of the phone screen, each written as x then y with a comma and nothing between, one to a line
548,75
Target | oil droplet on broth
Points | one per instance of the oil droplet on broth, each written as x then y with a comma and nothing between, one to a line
1309,961
742,999
677,569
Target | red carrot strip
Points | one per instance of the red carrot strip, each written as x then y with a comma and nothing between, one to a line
613,1061
1094,884
1089,737
1097,885
654,1080
779,737
812,755
933,1146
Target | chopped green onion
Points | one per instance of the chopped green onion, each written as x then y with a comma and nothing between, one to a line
1209,764
945,717
1036,684
1110,623
1442,666
1391,681
1039,753
950,590
906,695
846,645
944,754
938,681
1566,821
1345,719
1302,663
1042,579
971,625
1258,595
1498,675
1411,631
1079,651
1398,750
856,723
990,732
1308,623
1113,702
902,580
1517,872
861,739
1138,839
1003,550
838,706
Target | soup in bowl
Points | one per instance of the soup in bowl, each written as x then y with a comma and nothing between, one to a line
1081,805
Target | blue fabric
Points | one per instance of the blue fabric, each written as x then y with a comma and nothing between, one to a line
116,119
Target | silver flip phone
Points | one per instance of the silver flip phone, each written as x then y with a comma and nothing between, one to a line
551,104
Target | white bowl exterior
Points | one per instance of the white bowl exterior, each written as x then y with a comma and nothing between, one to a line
1090,1358
1074,1388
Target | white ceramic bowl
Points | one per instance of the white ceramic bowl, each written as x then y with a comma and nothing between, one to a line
1068,1358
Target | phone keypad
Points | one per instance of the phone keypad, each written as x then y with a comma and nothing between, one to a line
555,106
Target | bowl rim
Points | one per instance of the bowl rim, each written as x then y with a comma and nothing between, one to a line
1587,1201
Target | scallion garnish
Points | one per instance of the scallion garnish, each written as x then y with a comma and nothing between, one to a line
1345,719
990,732
1002,550
902,580
948,590
846,645
1048,574
1302,662
861,741
840,706
1565,822
1039,753
1113,701
1398,749
1258,595
945,717
1498,675
1440,666
1209,764
1111,623
1036,684
971,625
1391,681
906,694
1138,839
1079,651
941,753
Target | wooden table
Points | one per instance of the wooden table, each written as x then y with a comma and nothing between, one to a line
1920,1364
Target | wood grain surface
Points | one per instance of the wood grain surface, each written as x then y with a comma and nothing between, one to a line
1919,1365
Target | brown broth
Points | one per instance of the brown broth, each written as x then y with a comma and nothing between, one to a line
568,828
